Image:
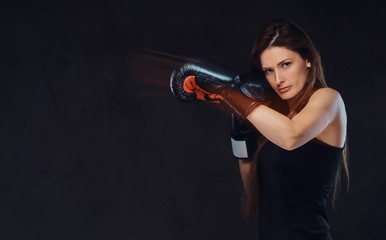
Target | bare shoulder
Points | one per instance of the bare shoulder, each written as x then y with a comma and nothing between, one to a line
326,92
330,102
326,96
326,100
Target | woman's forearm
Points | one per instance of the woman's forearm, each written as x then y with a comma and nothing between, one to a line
275,126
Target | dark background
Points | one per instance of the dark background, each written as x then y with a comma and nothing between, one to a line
94,146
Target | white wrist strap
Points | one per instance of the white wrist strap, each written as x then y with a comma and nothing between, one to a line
239,148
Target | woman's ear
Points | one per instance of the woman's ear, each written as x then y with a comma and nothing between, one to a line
308,64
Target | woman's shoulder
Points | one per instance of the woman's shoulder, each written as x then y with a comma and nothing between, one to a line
327,99
326,91
326,94
330,102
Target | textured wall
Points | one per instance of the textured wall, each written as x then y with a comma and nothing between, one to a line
94,146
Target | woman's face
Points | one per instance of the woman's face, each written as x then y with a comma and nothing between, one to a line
285,70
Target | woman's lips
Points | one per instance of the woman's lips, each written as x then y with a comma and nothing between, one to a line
284,89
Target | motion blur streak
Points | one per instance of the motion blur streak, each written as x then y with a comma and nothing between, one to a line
151,69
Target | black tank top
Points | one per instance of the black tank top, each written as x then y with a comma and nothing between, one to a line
295,186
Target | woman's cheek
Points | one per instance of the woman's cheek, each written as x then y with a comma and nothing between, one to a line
271,82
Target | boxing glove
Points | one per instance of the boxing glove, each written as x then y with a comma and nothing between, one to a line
243,138
240,94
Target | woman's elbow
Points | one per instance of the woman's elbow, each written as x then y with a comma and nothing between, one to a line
289,147
292,141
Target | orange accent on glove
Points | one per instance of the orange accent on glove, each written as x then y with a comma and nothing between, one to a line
190,86
267,103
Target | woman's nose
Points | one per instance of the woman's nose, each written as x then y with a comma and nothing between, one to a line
279,78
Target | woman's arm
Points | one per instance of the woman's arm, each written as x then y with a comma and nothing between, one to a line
321,110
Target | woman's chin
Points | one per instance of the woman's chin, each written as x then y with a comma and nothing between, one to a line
285,96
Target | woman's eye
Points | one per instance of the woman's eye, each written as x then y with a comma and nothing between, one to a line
286,64
266,71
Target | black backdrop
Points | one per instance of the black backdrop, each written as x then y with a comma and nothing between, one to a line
94,146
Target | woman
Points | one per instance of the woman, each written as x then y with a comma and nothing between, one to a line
303,138
302,127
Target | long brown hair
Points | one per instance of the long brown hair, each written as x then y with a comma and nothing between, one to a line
284,33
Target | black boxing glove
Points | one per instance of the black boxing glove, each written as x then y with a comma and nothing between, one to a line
241,94
243,138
